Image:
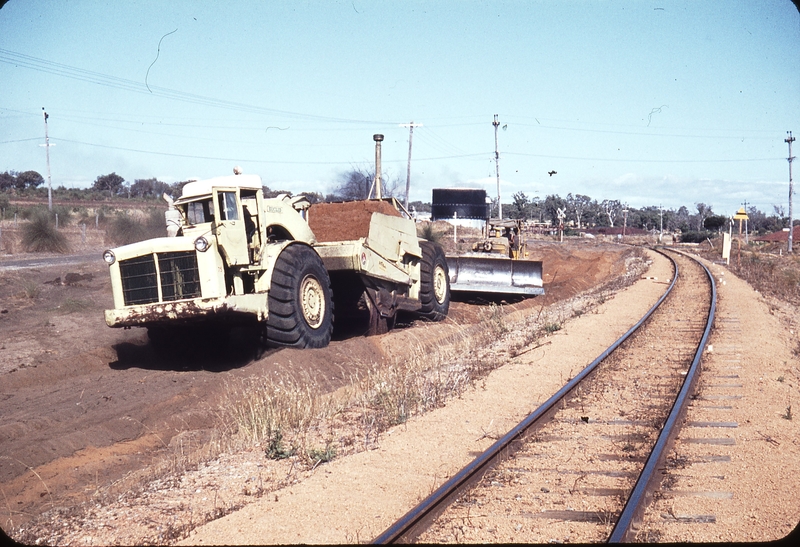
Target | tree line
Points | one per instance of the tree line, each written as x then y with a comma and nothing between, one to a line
581,211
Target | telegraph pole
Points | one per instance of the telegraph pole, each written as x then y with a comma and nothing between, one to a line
745,222
625,222
496,123
790,140
47,152
411,127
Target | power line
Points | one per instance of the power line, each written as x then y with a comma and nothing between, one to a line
50,67
21,140
641,160
249,160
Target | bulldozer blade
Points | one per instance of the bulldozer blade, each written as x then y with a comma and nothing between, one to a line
495,275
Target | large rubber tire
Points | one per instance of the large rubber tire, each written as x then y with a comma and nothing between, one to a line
300,300
434,291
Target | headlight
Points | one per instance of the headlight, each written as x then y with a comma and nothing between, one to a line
201,244
109,257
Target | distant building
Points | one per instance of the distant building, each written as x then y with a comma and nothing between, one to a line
783,235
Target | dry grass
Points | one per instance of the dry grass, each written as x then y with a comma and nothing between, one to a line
294,417
770,274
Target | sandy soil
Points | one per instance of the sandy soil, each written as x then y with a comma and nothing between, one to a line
103,442
356,498
90,414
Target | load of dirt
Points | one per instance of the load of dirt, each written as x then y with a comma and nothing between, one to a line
347,220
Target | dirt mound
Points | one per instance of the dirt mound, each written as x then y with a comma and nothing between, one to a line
345,221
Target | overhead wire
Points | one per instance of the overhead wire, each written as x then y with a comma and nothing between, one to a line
249,160
67,71
628,160
427,135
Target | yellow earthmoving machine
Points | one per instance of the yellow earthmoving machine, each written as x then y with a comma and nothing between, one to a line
233,256
498,263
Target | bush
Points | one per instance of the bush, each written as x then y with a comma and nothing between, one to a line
125,229
697,237
425,231
64,215
40,235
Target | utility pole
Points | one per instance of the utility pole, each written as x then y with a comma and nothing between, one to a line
496,123
745,222
790,140
625,221
47,152
411,127
660,222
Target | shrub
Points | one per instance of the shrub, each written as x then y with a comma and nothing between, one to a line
125,229
425,231
40,235
64,214
697,237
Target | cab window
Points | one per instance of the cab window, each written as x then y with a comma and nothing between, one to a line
199,212
227,206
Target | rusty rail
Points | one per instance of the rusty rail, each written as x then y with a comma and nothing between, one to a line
413,523
624,530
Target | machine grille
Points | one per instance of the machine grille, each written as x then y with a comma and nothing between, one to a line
179,276
177,273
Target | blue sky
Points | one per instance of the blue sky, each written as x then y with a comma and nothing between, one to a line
649,102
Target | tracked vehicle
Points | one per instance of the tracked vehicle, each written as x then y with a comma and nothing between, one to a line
234,257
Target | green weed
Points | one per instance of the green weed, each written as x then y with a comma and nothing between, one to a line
276,449
550,328
322,455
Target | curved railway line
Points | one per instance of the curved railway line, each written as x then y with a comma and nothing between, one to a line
584,466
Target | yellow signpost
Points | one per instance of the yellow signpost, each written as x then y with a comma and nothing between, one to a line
740,215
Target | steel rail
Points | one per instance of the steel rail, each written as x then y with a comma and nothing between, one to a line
625,528
413,523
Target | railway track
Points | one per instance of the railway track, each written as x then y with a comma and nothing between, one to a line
583,467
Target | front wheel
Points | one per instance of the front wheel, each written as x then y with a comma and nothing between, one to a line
300,302
434,290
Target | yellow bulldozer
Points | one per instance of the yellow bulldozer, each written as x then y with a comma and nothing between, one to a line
498,263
